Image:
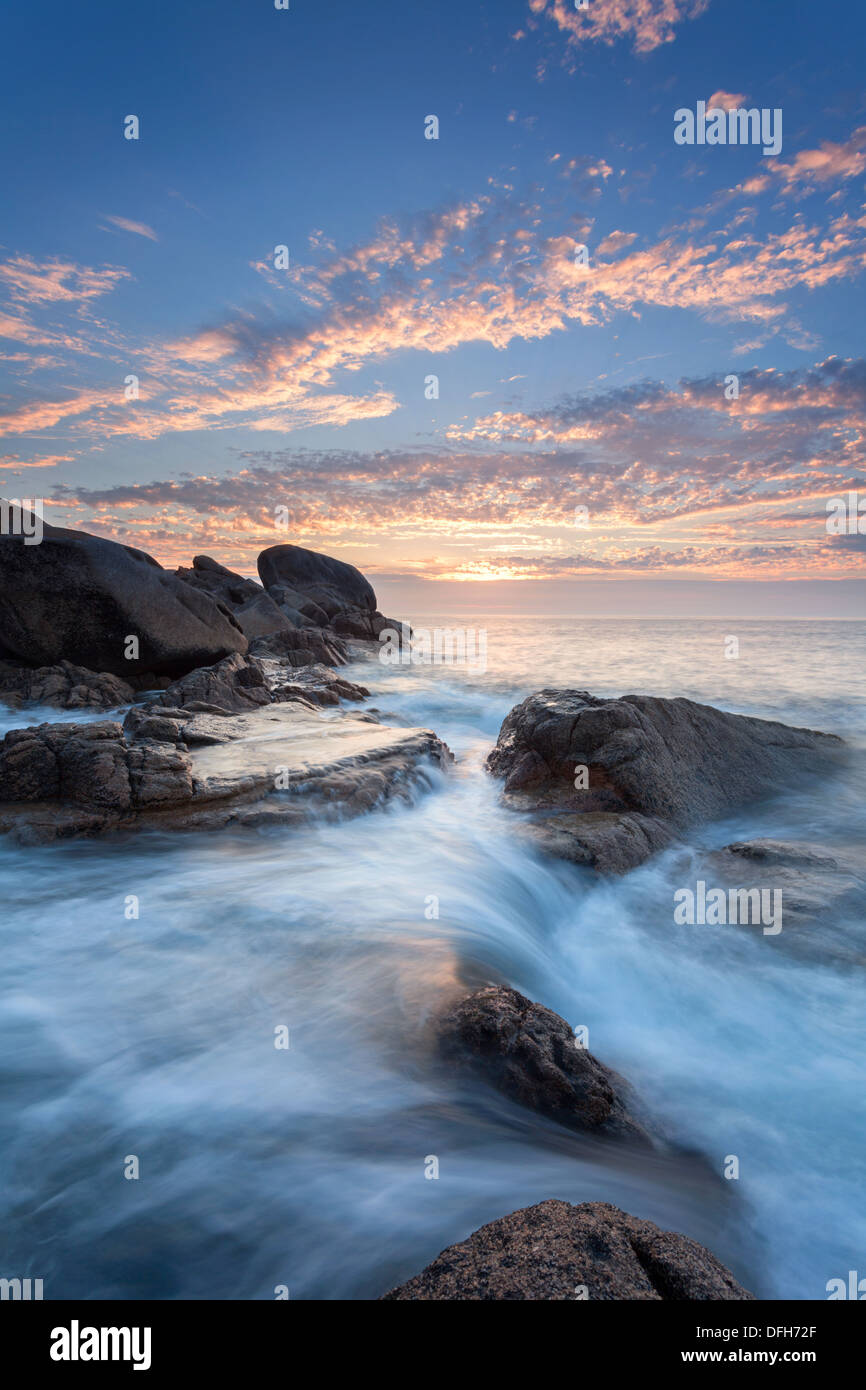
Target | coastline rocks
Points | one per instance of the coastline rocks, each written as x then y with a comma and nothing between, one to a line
254,610
557,1251
90,765
326,591
78,598
278,765
331,584
239,684
530,1054
63,686
301,647
652,767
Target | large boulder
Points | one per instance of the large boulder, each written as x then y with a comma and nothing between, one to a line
610,781
314,588
556,1251
78,598
332,585
530,1054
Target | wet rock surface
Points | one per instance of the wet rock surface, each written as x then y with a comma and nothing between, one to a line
530,1054
610,782
282,764
63,686
556,1251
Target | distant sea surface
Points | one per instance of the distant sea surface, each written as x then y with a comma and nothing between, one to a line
305,1167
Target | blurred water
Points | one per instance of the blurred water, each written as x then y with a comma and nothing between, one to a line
305,1167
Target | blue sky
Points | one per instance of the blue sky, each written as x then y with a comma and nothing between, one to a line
559,387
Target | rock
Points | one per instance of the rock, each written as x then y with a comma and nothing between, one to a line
239,684
317,684
64,686
530,1054
654,766
302,611
90,765
78,598
301,648
552,1250
233,685
282,764
253,609
817,890
323,590
367,626
331,584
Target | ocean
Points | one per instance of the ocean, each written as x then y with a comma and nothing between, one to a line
303,1167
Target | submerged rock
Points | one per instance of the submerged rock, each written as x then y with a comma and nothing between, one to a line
610,782
78,598
815,889
530,1054
556,1251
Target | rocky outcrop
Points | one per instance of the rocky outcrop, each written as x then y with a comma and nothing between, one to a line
331,584
189,769
327,591
530,1054
254,610
78,598
556,1251
302,647
239,684
609,782
64,686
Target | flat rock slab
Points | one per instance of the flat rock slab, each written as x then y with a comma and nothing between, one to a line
281,764
610,782
556,1251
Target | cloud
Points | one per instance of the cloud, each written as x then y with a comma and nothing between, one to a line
830,162
674,478
727,101
615,242
138,228
648,23
481,271
57,281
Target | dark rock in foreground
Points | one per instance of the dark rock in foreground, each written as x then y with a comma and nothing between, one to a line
654,766
78,598
530,1054
556,1251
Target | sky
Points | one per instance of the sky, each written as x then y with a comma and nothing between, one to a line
283,313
